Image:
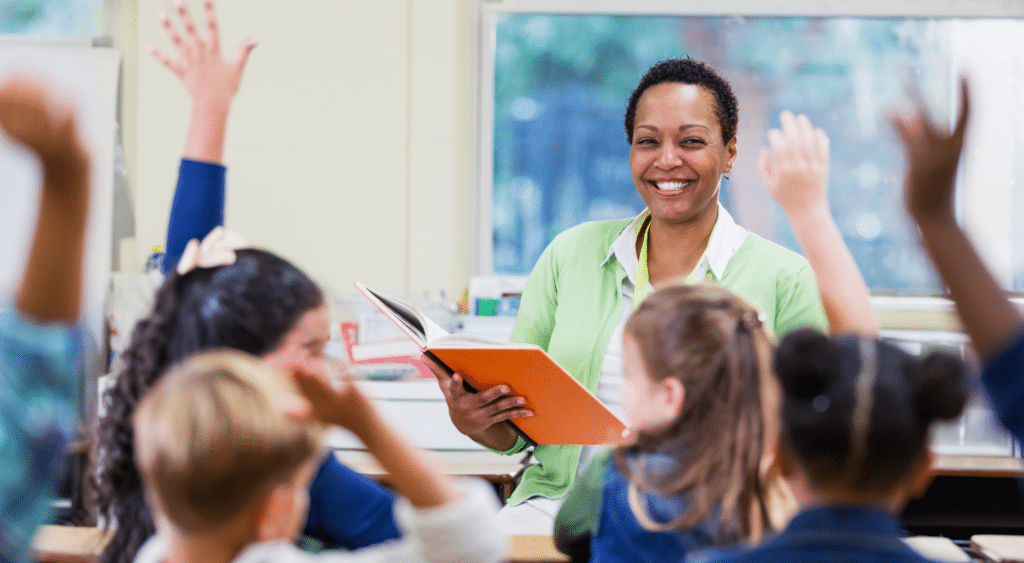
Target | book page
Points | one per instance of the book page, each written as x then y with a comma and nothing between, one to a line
420,328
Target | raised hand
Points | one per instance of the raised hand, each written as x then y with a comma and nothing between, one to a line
795,168
45,123
209,78
932,159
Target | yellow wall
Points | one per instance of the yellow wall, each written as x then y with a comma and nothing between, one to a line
348,148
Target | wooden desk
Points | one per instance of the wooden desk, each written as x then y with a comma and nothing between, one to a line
497,469
535,549
68,544
977,466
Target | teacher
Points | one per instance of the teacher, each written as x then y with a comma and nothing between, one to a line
681,127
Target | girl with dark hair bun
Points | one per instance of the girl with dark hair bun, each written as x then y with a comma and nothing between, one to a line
856,415
260,304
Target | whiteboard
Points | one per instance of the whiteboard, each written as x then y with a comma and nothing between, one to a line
89,76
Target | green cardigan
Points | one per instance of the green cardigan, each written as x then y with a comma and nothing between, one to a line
573,301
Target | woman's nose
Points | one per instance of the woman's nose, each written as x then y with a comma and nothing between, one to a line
669,157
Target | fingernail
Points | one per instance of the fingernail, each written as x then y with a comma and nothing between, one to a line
520,401
503,389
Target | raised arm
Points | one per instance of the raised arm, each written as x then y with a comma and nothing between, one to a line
39,351
795,169
933,156
414,474
212,82
50,289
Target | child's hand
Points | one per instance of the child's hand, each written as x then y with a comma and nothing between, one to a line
932,159
208,77
45,123
342,404
795,168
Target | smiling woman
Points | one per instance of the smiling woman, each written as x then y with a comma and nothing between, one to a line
681,124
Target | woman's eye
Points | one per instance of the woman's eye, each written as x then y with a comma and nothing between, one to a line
646,141
692,142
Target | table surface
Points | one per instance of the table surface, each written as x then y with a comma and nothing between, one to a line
496,468
69,544
977,466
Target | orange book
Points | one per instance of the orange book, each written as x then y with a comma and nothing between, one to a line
565,412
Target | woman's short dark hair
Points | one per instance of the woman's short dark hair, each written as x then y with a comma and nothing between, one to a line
248,306
689,71
856,411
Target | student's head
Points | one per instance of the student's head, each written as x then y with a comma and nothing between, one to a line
681,127
261,304
697,387
856,412
218,458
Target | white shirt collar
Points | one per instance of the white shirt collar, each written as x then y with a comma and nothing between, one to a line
726,238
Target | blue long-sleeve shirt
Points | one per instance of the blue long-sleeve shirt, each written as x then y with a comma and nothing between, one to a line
1003,378
346,509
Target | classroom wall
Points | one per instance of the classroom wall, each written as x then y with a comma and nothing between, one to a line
348,147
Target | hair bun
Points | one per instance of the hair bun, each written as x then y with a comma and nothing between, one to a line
940,385
805,363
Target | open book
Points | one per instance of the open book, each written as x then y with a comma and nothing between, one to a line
565,412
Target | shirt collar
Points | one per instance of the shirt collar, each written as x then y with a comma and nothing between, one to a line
846,518
726,238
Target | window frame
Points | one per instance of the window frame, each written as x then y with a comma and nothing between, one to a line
906,312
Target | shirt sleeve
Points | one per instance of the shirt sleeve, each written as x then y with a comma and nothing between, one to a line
462,530
799,304
348,509
1003,377
39,370
580,514
197,208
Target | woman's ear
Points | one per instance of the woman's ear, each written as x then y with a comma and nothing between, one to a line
730,151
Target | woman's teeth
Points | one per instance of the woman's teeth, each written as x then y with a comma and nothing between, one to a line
671,186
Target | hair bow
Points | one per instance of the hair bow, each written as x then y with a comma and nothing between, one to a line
217,249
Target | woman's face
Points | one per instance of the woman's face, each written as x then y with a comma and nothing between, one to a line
303,346
678,155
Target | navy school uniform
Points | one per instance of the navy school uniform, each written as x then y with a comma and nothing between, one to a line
847,533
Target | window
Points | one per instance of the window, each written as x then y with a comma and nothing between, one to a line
52,18
560,158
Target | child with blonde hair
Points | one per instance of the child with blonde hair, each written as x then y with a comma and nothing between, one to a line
226,465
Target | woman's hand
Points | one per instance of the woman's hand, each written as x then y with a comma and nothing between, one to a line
478,415
796,166
210,79
932,159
